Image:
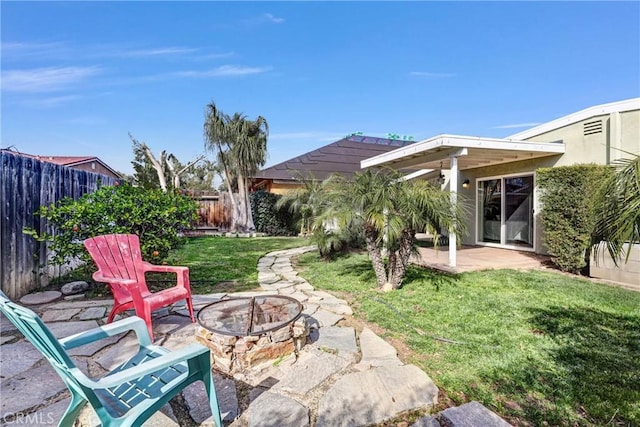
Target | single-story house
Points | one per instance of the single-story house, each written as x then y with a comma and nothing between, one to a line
86,163
497,176
341,157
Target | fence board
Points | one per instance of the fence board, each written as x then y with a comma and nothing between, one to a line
214,212
25,185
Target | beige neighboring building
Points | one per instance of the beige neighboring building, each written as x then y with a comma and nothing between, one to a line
497,177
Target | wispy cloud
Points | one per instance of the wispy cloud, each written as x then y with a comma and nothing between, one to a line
265,18
45,79
155,52
33,50
271,18
222,71
516,126
50,102
430,75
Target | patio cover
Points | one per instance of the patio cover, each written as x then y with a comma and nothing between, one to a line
456,152
472,152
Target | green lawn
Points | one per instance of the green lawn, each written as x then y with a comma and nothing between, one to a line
212,260
539,348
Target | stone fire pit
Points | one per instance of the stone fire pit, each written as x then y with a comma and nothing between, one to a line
248,331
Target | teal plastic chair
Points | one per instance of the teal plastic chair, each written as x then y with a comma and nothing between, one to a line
132,392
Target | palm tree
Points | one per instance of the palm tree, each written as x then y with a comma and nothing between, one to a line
391,211
307,201
241,147
618,210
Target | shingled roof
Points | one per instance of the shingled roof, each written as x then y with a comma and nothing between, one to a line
342,157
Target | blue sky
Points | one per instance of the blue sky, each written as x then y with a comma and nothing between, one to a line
77,77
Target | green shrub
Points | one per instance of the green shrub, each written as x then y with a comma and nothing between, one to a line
270,219
155,216
568,196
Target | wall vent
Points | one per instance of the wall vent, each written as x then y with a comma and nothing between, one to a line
591,128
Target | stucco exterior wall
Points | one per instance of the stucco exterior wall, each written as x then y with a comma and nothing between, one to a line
282,188
95,167
627,272
620,133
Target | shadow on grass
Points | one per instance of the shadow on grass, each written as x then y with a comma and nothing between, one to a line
591,374
438,279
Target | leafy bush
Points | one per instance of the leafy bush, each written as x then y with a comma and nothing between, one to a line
270,219
568,198
155,216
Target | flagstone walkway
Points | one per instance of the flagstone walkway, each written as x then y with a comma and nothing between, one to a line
342,377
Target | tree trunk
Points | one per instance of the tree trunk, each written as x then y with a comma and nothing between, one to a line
402,258
234,202
157,165
245,220
375,256
250,224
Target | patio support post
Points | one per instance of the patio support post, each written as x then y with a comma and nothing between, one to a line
453,187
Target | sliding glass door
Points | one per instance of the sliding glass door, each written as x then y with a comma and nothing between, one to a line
505,211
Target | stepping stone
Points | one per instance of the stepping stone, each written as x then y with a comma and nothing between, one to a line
341,308
426,421
387,391
17,358
162,418
168,324
93,313
58,315
181,337
304,286
5,338
376,351
81,304
31,388
40,297
324,318
116,355
312,369
469,415
6,325
198,402
299,296
286,291
65,329
207,299
309,309
47,415
270,409
338,338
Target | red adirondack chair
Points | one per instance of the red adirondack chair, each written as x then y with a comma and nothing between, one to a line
121,266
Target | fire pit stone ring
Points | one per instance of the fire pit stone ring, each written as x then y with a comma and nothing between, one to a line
243,332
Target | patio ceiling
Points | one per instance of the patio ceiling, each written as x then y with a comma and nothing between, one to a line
472,152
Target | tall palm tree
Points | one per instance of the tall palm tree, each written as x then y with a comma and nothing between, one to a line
618,210
241,147
391,210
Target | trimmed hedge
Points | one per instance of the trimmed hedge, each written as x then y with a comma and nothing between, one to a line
568,197
269,219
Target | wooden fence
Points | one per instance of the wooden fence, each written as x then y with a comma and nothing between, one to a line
25,185
214,211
